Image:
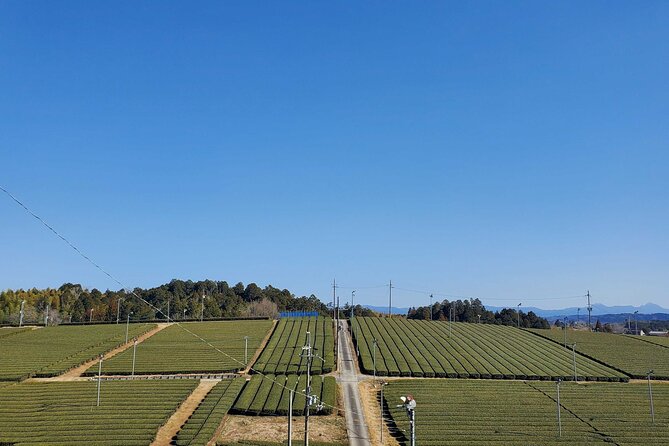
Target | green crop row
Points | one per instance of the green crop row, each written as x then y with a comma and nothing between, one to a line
66,413
465,412
202,425
633,355
283,353
439,349
50,351
270,395
192,347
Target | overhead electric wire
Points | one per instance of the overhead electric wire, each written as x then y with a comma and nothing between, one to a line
177,323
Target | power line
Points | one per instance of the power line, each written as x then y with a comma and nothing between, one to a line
132,292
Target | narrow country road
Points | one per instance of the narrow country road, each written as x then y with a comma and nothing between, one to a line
349,377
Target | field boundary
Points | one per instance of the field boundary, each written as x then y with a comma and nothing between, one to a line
599,361
173,425
74,374
260,349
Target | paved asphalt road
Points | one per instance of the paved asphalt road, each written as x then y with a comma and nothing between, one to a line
348,378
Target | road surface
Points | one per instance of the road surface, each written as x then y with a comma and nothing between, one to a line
348,378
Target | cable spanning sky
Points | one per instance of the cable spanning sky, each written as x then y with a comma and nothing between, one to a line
515,152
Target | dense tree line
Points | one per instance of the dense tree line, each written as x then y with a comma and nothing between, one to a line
474,311
74,303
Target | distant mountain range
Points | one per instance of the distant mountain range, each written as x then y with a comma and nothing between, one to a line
605,313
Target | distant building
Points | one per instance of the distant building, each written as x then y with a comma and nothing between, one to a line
658,333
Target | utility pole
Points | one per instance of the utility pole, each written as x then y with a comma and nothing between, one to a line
334,298
573,352
308,353
23,302
168,310
519,314
650,395
91,319
589,311
127,327
290,418
430,306
636,323
374,343
118,309
46,315
390,298
134,351
564,328
246,350
100,376
352,297
383,384
202,313
558,409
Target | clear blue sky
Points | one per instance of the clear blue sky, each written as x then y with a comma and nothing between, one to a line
507,150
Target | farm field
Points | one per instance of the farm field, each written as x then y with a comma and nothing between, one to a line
467,412
202,425
663,341
628,354
282,353
50,351
65,413
175,350
9,331
271,395
428,349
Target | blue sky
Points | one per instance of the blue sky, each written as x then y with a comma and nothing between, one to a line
512,151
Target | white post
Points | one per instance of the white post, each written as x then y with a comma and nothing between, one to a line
46,315
127,326
650,394
246,350
374,357
23,302
168,310
573,352
290,418
118,309
134,351
99,376
558,410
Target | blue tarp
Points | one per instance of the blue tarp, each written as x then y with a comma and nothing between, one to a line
298,314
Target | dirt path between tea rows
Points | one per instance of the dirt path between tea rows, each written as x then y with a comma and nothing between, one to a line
75,373
181,415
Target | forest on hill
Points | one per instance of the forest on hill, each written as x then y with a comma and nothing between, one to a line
74,303
474,311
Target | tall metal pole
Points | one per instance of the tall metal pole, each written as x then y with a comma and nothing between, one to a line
202,313
127,327
636,323
450,321
430,307
412,424
290,418
390,298
134,351
564,328
589,311
334,298
46,315
374,356
246,350
352,297
519,314
650,395
23,302
100,376
558,409
118,309
573,352
168,310
308,399
381,412
91,319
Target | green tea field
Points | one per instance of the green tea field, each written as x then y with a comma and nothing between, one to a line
436,349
